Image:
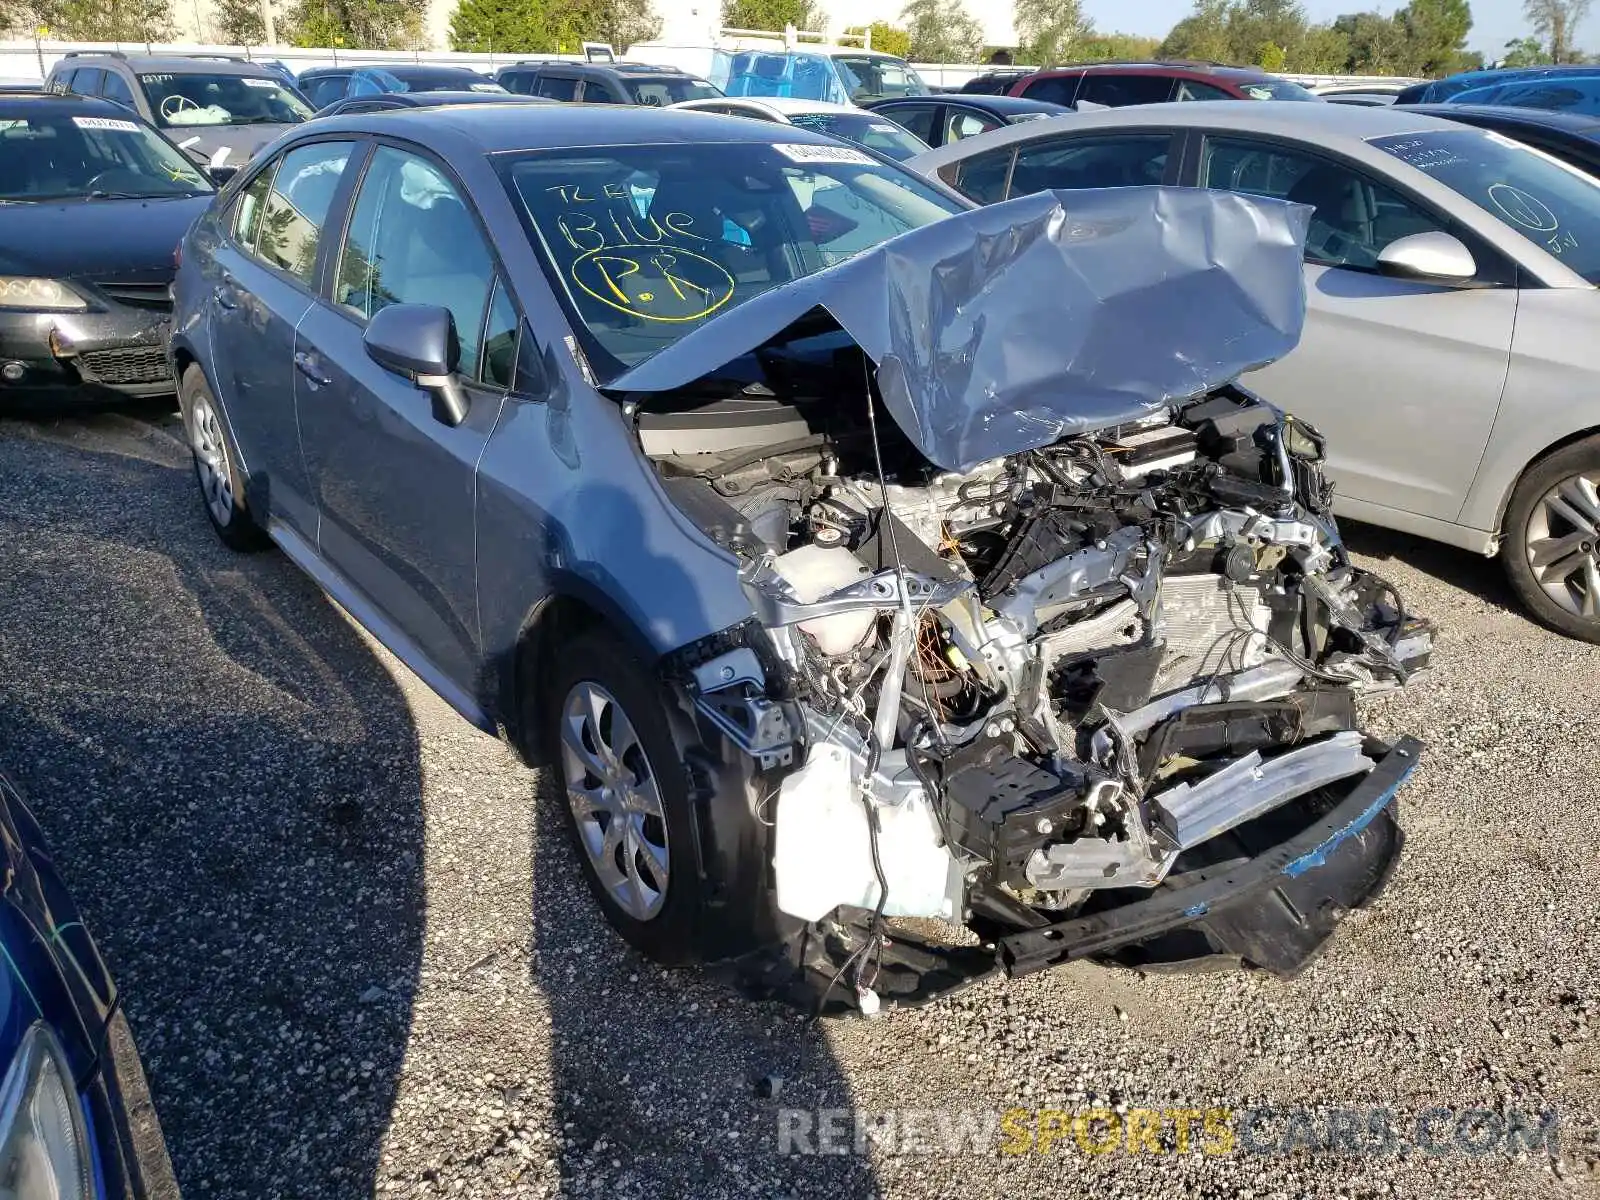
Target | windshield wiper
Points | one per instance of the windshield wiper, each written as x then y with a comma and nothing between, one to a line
105,195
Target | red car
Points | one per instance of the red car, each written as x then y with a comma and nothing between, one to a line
1115,85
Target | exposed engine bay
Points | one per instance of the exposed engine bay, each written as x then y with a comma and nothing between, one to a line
1053,643
986,697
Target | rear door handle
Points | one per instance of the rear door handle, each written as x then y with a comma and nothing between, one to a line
306,364
223,295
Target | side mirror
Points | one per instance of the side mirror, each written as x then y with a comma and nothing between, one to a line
1428,258
419,342
221,175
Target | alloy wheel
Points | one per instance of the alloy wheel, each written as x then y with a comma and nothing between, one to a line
1563,544
211,460
615,799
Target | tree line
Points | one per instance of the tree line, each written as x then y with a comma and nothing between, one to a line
1424,38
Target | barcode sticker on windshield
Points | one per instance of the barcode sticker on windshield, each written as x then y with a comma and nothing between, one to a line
105,123
800,152
260,83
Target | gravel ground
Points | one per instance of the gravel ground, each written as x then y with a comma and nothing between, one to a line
358,957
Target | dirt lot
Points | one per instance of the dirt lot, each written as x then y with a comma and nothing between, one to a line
358,957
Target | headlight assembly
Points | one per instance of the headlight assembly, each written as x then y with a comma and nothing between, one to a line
21,291
44,1148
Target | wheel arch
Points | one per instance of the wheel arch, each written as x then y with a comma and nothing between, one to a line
572,607
1555,447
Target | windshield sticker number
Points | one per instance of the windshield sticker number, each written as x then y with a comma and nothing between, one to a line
802,153
260,83
105,123
157,78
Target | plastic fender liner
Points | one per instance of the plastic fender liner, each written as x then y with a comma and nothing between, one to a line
1296,859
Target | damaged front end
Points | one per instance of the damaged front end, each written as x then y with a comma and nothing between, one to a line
1080,681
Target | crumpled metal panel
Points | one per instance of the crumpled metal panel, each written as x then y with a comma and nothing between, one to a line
1007,328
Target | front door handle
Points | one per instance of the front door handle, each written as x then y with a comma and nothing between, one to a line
306,364
223,295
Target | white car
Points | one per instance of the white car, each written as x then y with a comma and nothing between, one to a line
1451,275
843,121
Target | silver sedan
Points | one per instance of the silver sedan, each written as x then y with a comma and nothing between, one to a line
1449,353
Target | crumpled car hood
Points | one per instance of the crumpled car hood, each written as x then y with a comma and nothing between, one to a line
1008,328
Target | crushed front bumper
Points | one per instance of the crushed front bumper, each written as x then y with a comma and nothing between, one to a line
1265,900
85,356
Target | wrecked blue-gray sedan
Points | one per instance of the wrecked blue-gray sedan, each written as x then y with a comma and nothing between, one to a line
902,591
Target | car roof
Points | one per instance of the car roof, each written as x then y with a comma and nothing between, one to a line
496,128
400,70
1545,118
1328,124
169,64
1170,66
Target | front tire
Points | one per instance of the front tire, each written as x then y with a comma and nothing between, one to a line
1551,544
216,466
646,805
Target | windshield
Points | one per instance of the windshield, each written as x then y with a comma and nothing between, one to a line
68,157
1276,89
868,77
1568,95
875,133
182,100
647,243
1539,197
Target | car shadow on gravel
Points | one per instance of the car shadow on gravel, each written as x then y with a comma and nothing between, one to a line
230,780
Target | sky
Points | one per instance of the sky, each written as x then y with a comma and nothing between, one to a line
1494,22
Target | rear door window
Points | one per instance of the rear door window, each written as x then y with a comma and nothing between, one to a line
960,123
87,81
918,118
1054,89
295,209
1118,91
983,177
557,87
116,89
325,89
1193,89
1091,163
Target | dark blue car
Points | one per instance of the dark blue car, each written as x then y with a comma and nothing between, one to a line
76,1122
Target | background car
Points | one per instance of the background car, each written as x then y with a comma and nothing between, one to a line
77,1122
605,83
1117,85
937,120
1572,137
1450,280
1364,99
218,110
398,100
843,121
93,202
1566,93
1437,91
995,83
324,85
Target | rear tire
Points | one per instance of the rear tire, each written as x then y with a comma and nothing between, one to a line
647,806
216,468
1551,543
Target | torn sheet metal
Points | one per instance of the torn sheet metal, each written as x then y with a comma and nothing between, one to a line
1007,328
